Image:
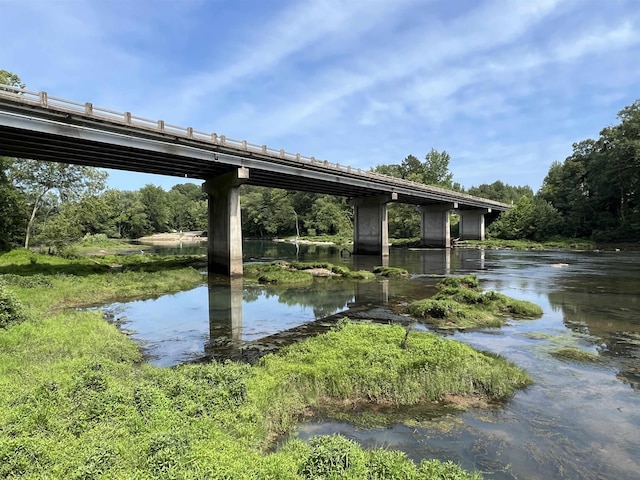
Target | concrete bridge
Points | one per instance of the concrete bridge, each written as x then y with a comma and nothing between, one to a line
37,126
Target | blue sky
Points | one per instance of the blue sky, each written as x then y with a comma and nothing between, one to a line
504,86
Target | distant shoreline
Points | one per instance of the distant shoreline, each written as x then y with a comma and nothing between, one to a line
173,237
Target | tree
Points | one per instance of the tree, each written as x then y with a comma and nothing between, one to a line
11,201
8,78
436,169
156,207
433,171
597,188
12,209
404,220
530,218
501,192
331,215
187,205
36,180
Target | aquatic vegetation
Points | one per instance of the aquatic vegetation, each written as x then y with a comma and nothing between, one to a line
383,365
555,243
392,272
573,354
301,272
77,401
461,304
277,272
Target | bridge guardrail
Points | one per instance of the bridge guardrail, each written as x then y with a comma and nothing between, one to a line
43,99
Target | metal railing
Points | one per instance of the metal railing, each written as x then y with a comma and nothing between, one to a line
49,102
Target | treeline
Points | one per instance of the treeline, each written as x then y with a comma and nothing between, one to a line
593,194
59,203
53,204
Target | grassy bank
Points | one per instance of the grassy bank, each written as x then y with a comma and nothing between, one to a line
461,304
76,400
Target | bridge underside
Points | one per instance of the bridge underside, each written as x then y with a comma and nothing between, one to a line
42,133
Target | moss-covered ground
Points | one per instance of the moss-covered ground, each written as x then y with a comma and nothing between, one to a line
77,400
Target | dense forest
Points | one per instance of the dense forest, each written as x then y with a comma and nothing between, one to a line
593,194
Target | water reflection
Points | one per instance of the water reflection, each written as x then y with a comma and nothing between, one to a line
274,315
576,421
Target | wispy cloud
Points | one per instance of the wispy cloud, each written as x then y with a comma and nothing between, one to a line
504,86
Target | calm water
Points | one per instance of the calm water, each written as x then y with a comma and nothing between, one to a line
577,421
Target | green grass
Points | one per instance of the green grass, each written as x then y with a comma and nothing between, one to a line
461,304
573,354
392,272
77,400
556,243
385,365
298,272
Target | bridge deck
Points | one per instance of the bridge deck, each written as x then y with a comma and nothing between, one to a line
38,126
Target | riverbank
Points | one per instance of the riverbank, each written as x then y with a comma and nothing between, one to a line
77,400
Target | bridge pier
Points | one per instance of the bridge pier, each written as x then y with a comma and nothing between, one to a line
472,223
435,226
224,247
370,224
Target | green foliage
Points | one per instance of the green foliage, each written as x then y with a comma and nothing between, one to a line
271,212
378,364
433,171
404,221
48,183
8,78
13,210
596,188
467,281
333,458
297,272
575,355
76,400
278,272
530,219
392,272
11,311
461,304
501,192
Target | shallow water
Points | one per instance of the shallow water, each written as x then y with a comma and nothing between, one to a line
576,421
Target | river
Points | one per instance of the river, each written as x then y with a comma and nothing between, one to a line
578,421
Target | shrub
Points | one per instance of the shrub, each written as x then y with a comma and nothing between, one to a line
334,457
11,311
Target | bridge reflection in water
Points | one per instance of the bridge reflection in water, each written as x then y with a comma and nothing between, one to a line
240,319
277,315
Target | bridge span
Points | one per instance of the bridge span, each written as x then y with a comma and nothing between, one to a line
37,126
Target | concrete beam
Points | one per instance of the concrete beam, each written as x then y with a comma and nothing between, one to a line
371,229
225,226
434,226
472,223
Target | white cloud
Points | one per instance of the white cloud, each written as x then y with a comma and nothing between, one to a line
494,82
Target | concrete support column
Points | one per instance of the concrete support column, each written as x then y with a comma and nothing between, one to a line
225,226
472,223
434,225
225,317
370,224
